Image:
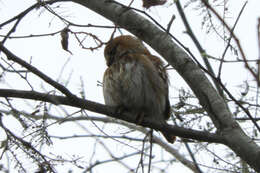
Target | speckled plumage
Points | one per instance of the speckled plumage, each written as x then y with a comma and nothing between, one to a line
136,80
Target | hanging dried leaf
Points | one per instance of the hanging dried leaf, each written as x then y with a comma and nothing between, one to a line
148,3
65,39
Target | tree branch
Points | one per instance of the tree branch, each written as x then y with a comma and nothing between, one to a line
111,111
211,101
198,45
231,133
11,56
166,146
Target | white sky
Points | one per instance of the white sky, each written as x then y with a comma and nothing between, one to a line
48,56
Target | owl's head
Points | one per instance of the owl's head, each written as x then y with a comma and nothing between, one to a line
119,46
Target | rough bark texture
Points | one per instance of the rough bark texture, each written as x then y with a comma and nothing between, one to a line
216,107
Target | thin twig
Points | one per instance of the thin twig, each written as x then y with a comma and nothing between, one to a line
205,2
26,145
198,45
35,71
192,157
231,61
151,151
229,39
170,23
141,162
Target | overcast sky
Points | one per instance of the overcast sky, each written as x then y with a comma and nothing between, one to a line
47,55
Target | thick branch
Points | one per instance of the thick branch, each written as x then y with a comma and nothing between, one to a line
216,107
212,102
111,111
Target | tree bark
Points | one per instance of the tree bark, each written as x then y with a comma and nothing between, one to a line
217,109
111,111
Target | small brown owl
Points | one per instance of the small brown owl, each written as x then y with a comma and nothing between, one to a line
136,80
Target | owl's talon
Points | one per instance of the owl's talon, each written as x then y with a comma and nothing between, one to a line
139,118
120,109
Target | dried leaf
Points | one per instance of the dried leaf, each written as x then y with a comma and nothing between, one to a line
65,39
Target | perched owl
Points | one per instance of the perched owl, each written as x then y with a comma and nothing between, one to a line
136,80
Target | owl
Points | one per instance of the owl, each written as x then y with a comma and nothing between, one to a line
135,80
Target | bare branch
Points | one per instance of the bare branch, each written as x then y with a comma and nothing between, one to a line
215,106
111,111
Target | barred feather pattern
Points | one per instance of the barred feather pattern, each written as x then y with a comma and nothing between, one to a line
136,80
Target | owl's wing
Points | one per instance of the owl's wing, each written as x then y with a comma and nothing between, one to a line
111,86
134,83
123,82
158,63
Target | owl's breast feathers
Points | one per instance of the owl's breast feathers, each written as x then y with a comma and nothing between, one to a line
136,80
135,83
